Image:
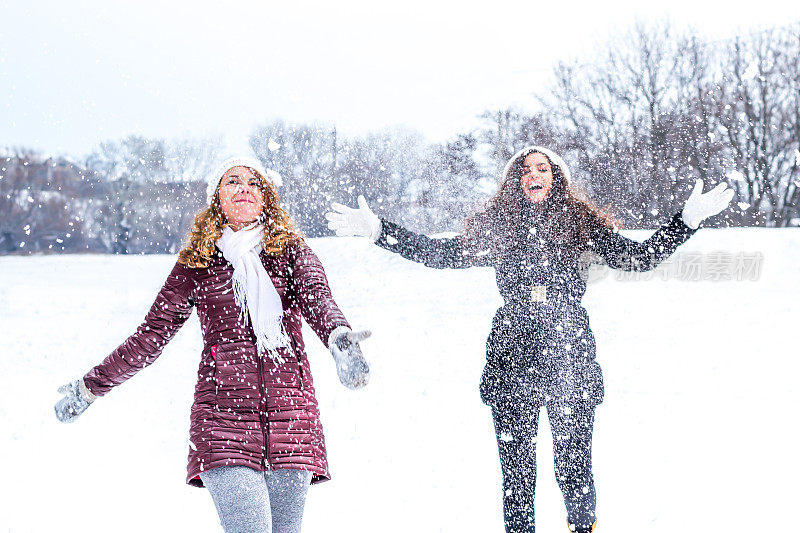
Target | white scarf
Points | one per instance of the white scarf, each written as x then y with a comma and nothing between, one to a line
253,289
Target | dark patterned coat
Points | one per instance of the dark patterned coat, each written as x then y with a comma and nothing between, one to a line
248,409
540,345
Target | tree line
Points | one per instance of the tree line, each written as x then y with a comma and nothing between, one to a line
655,108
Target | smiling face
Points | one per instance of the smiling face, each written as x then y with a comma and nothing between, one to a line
240,196
537,177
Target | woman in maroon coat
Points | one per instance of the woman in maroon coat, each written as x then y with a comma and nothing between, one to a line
255,437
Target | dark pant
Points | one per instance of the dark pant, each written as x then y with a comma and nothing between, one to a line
515,425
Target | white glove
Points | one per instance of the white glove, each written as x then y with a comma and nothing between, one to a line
347,222
700,206
351,366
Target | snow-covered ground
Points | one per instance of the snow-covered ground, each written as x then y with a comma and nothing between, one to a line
696,432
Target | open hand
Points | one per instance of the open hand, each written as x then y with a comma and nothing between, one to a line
700,206
347,222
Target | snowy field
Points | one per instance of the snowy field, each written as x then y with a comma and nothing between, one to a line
696,432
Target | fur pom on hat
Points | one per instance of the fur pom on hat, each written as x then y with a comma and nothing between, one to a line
231,161
551,155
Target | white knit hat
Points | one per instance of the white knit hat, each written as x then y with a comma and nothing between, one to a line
233,160
554,158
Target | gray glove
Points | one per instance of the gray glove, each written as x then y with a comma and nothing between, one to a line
351,366
77,398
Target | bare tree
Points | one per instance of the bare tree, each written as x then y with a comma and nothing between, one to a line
757,121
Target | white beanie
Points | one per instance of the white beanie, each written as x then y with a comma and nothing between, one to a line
233,160
551,155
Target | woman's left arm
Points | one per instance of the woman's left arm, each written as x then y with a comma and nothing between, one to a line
314,295
626,254
326,319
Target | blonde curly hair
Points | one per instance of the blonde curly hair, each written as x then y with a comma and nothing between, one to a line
279,229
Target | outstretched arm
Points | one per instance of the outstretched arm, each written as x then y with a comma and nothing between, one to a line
626,254
314,294
620,252
326,319
434,253
168,313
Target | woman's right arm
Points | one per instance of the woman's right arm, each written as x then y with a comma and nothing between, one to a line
172,308
434,253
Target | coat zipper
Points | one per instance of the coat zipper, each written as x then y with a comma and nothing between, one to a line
263,412
214,355
296,355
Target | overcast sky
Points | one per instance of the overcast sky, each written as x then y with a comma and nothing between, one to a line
75,73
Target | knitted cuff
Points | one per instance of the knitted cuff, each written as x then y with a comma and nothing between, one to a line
377,229
84,392
335,333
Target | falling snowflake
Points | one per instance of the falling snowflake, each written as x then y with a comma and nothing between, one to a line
750,72
735,175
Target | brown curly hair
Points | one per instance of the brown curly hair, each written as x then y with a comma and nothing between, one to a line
566,216
279,229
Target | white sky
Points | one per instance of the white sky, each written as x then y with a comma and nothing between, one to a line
75,73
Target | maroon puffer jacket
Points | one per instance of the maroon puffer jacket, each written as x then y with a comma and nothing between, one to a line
248,410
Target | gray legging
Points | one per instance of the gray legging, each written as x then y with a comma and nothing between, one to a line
249,501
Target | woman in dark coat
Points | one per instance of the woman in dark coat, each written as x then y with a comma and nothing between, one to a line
255,436
540,238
